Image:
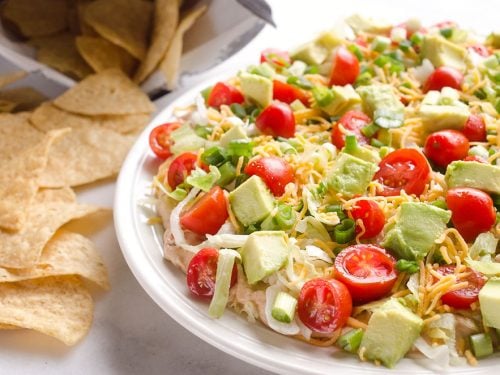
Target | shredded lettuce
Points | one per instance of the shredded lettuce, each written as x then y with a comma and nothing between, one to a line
485,243
328,218
203,180
223,276
312,228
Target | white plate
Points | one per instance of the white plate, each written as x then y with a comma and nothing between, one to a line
254,343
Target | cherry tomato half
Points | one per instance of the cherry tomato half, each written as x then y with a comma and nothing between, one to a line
287,93
404,169
276,120
472,211
371,215
202,270
352,122
207,214
159,139
275,57
463,298
274,171
445,146
324,305
480,49
367,271
180,168
444,76
222,93
475,129
345,67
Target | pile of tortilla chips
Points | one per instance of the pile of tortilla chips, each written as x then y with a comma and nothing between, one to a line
46,264
80,37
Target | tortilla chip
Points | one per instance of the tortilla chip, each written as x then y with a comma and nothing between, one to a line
166,18
16,135
48,117
46,214
101,55
56,306
107,93
8,78
8,326
34,18
65,254
85,28
59,52
24,98
126,23
19,181
7,106
169,66
85,155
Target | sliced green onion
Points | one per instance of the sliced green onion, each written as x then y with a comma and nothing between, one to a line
345,231
214,156
351,143
203,131
205,93
312,69
178,194
363,79
336,208
351,340
238,110
370,130
285,217
322,95
241,178
284,307
408,266
376,143
440,203
405,45
380,43
299,81
240,147
356,51
481,344
227,174
446,32
225,265
480,94
417,38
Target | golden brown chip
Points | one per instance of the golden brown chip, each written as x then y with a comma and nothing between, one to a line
7,106
46,214
166,17
126,23
101,55
66,253
107,93
48,117
169,66
36,17
24,98
8,326
56,306
19,181
59,52
85,155
8,78
16,135
85,28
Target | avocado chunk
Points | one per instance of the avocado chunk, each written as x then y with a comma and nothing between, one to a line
256,88
311,53
252,201
329,39
264,253
493,39
235,133
360,23
417,227
485,177
391,332
350,175
489,302
443,110
381,104
344,98
442,52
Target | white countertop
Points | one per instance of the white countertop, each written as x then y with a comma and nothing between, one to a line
131,334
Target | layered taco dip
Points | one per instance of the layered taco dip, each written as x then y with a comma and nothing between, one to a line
345,193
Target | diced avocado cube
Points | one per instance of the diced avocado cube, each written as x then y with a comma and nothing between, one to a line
380,103
442,52
264,253
252,201
329,39
443,110
359,23
311,53
236,132
417,227
392,330
493,39
256,88
344,98
481,344
350,175
473,174
489,302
